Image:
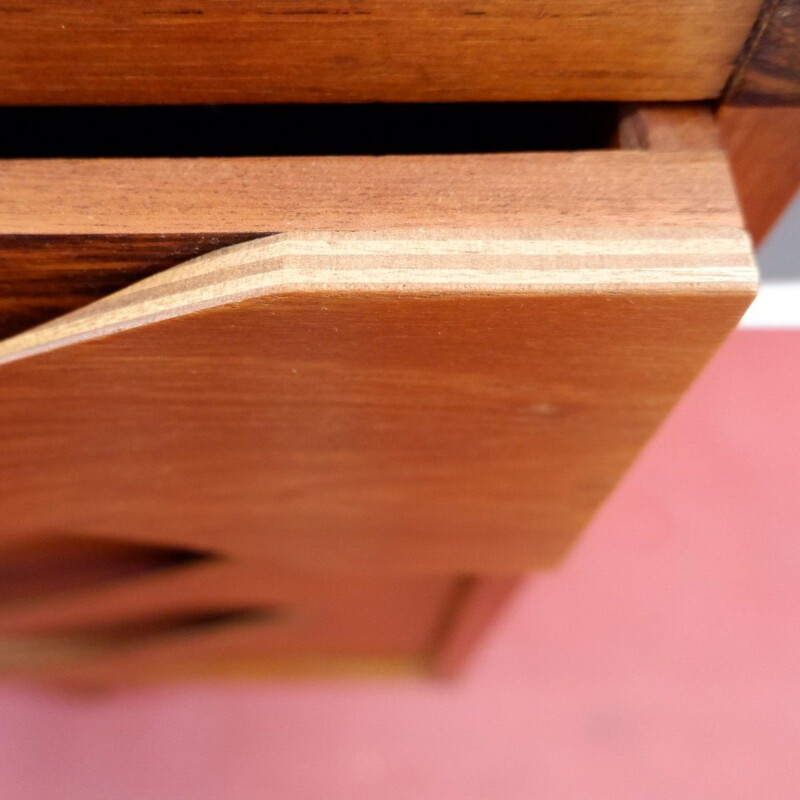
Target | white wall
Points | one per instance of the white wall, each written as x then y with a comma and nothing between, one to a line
778,302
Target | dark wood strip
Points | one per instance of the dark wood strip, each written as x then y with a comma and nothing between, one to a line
42,277
768,70
126,52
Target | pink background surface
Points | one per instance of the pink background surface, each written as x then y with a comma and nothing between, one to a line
661,661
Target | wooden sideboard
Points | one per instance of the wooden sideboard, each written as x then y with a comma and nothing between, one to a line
319,414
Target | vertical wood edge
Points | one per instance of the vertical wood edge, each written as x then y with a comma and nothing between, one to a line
475,606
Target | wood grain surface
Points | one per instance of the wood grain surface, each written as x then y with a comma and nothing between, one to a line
269,195
104,52
423,402
768,69
339,425
763,145
72,231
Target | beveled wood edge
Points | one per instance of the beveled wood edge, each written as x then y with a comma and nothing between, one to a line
455,263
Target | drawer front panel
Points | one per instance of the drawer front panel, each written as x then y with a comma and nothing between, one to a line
258,51
372,375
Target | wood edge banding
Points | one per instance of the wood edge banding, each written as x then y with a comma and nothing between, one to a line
456,262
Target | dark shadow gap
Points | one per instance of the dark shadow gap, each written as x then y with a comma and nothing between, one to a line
303,130
73,644
55,565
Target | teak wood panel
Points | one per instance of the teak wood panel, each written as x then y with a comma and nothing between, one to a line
763,145
72,231
439,373
43,276
207,51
